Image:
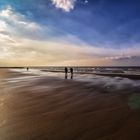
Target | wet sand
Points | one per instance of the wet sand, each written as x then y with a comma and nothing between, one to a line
130,76
49,108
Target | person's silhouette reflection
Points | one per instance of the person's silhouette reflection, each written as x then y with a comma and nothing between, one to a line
66,72
71,71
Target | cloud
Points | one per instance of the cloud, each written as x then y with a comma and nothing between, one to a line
17,24
38,52
20,45
86,2
66,5
125,54
120,57
131,57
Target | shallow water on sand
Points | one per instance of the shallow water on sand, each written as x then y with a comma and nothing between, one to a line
117,82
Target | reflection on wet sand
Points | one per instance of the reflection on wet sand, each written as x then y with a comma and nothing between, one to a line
50,108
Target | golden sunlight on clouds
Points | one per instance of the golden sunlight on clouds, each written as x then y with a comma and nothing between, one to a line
31,52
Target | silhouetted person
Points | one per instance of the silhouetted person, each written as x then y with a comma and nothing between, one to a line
71,71
66,72
27,68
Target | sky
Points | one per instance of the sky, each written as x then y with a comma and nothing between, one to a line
69,32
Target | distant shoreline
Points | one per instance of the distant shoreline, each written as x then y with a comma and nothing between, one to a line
132,76
21,67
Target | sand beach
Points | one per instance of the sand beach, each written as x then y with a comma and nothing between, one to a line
50,107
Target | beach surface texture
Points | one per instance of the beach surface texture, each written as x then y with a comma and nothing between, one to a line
36,105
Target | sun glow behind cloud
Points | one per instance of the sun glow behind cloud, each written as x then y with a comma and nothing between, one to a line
20,45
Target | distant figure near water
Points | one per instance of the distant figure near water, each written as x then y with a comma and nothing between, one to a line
71,71
66,72
27,68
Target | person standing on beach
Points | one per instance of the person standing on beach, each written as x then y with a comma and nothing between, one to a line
71,71
66,72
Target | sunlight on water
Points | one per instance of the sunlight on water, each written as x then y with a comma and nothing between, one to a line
117,82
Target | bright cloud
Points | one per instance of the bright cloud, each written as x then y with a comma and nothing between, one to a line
66,5
8,15
12,21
